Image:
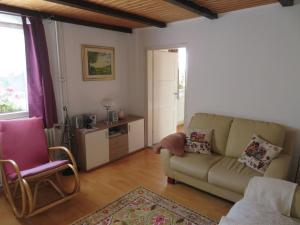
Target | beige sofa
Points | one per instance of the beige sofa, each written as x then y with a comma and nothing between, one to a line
220,173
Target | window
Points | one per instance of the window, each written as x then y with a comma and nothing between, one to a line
13,84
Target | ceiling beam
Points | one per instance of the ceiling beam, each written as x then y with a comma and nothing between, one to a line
28,12
93,7
195,8
286,2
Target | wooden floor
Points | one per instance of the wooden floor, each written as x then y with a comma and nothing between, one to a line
106,184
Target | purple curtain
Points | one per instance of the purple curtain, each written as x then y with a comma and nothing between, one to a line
41,99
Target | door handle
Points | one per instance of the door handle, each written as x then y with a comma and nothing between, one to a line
176,94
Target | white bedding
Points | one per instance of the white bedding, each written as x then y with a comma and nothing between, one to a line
249,213
273,193
267,201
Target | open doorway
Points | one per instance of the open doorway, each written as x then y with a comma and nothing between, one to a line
166,92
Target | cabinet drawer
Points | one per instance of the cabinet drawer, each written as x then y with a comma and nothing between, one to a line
118,147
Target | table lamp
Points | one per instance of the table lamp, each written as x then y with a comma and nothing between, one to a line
107,103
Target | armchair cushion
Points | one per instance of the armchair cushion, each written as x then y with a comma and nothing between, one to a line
39,169
24,141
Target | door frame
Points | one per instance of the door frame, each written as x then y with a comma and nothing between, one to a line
149,88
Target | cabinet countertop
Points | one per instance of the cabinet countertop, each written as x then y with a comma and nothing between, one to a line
103,125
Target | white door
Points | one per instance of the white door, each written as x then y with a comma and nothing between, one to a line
165,75
97,148
136,135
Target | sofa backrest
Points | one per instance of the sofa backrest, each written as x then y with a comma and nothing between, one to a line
221,126
289,142
231,135
242,130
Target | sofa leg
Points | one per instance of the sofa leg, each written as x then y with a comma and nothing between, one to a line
171,180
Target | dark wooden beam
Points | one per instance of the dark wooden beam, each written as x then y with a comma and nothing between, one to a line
194,7
28,12
93,7
286,2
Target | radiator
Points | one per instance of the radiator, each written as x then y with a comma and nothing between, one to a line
51,136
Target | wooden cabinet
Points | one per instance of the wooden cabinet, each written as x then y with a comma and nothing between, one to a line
96,149
118,147
108,142
136,135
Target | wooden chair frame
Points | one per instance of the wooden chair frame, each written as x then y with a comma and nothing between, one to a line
28,198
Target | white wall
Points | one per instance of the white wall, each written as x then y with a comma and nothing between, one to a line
246,63
85,96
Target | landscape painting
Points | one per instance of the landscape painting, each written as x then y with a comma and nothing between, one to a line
98,62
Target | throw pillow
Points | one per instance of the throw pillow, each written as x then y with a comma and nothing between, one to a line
259,153
198,141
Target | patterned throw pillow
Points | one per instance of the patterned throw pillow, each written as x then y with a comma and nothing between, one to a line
198,141
259,154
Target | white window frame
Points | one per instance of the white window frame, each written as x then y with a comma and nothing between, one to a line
14,115
19,114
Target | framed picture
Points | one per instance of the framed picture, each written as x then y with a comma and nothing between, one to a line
98,63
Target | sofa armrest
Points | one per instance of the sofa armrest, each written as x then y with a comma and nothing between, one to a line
295,211
165,157
279,167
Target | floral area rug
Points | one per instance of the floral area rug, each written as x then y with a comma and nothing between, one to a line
143,207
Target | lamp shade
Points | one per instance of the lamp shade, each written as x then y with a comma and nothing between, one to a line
107,103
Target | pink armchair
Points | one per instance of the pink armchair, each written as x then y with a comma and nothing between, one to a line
26,162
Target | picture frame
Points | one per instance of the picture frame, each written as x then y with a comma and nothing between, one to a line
98,62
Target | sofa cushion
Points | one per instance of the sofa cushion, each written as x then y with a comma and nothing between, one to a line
259,154
198,141
220,125
231,174
194,164
242,130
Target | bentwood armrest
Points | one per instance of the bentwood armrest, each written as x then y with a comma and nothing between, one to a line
67,151
14,165
23,186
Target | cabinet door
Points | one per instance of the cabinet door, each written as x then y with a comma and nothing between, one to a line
136,135
96,148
